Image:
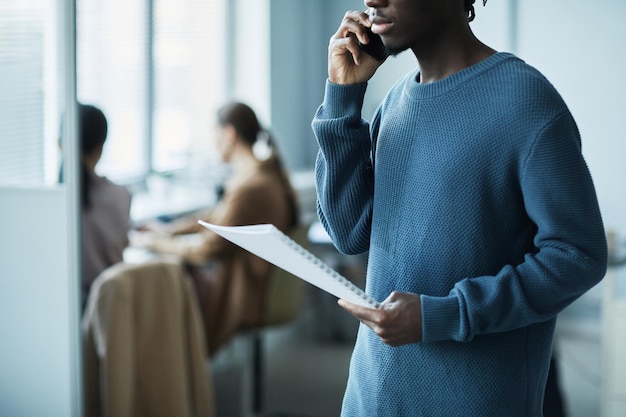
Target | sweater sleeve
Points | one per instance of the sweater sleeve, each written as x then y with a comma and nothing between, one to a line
343,172
570,254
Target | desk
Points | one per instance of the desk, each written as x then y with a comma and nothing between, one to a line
169,197
166,199
137,255
171,200
317,235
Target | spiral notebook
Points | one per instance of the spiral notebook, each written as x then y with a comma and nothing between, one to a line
269,243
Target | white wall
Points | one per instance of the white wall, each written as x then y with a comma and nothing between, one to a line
579,46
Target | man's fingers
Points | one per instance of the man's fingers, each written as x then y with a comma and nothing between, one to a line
342,46
353,25
345,59
372,315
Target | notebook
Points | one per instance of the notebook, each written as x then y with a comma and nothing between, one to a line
269,243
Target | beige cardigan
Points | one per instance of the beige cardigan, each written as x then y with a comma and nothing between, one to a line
144,347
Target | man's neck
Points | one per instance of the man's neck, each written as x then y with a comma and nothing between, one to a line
449,56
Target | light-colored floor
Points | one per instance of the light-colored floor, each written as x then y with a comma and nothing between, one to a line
307,367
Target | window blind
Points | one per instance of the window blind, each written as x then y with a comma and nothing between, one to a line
112,66
22,33
190,79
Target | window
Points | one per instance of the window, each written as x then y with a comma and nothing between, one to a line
29,120
112,68
157,69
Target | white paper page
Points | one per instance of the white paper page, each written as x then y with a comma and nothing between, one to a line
269,243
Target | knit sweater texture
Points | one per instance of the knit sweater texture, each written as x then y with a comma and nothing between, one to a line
478,198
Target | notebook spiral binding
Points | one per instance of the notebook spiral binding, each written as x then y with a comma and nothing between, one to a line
328,270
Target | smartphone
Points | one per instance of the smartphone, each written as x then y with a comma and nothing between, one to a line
375,47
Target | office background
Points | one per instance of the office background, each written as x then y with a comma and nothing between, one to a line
270,53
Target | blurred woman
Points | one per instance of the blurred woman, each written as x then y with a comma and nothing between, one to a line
232,293
105,206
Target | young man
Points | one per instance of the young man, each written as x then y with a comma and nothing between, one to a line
472,197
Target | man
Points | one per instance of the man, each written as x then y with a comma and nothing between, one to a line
472,197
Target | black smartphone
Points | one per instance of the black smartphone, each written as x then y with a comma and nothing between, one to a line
375,47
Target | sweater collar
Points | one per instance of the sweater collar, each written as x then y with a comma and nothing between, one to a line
437,88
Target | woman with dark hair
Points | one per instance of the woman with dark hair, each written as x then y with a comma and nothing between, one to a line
105,206
232,293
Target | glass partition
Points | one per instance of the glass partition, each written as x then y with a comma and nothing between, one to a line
39,310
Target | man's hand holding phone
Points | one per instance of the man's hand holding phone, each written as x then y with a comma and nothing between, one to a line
348,59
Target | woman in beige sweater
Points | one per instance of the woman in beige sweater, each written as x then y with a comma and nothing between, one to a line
231,282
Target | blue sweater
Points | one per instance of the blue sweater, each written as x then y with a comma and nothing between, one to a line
479,199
